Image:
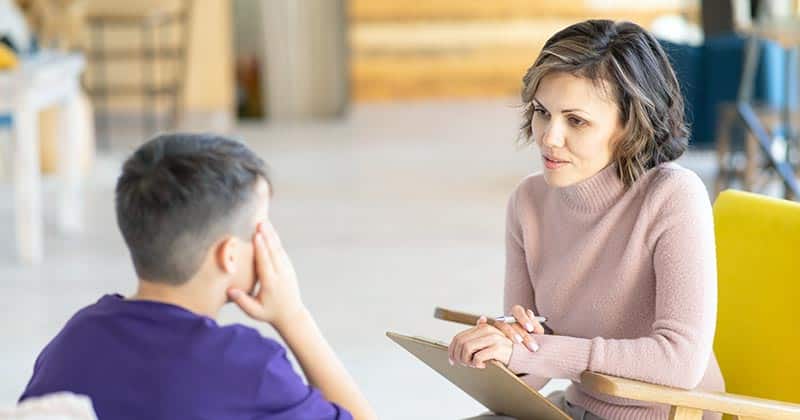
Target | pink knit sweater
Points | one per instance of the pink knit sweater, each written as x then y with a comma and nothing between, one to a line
626,278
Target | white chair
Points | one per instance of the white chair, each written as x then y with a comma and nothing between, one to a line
57,406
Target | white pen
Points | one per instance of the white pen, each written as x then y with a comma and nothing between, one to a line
508,319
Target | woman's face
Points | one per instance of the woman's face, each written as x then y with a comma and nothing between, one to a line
575,126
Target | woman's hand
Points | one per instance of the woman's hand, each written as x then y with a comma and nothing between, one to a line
523,330
479,344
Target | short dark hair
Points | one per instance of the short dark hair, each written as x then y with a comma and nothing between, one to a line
629,60
177,194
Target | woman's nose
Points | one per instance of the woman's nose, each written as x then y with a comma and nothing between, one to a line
553,136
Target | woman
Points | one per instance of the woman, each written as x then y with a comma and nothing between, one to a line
614,242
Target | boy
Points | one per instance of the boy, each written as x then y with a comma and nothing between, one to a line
193,212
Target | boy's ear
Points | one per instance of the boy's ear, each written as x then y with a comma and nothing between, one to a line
225,255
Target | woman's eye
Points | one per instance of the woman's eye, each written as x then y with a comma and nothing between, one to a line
577,122
540,111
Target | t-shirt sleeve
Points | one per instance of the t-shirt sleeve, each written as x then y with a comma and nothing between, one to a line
284,394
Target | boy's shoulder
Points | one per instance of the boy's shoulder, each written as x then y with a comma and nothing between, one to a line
153,323
243,335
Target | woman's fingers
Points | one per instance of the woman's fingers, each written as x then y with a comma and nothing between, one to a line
480,358
527,319
517,334
476,344
519,313
500,350
513,334
530,343
527,339
468,343
464,338
456,343
538,328
451,349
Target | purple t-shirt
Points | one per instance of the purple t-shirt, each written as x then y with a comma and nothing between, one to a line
148,360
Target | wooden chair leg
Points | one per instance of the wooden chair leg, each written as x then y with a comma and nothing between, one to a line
723,179
685,413
751,162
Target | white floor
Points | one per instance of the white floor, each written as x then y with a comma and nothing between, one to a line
388,213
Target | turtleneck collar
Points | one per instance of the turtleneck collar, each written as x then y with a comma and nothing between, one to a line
595,193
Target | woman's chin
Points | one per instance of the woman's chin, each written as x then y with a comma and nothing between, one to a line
557,178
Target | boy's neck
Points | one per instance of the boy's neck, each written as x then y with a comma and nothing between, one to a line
190,296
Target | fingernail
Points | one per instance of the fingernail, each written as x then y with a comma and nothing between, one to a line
529,327
533,346
518,338
451,361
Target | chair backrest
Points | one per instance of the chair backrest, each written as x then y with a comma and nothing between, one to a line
758,323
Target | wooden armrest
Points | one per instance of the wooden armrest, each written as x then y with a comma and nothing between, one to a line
739,405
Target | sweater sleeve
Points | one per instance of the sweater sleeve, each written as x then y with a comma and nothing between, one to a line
518,289
677,350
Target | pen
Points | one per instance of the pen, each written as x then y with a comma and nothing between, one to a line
471,319
508,319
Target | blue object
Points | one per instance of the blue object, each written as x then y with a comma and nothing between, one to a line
5,121
710,75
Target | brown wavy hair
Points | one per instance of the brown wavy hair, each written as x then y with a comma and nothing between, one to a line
627,62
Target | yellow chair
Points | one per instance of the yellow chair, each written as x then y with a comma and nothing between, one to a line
758,321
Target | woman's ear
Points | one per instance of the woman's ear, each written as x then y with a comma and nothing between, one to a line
226,254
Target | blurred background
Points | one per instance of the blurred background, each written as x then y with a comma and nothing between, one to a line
390,128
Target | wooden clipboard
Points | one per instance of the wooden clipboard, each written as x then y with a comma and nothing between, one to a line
496,387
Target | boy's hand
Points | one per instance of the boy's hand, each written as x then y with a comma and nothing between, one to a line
278,298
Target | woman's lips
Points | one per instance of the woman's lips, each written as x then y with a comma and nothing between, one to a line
551,163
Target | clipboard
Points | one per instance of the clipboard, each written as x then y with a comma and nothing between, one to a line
496,387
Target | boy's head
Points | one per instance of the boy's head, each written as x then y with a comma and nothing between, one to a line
191,202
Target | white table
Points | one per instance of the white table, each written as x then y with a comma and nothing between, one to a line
41,81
